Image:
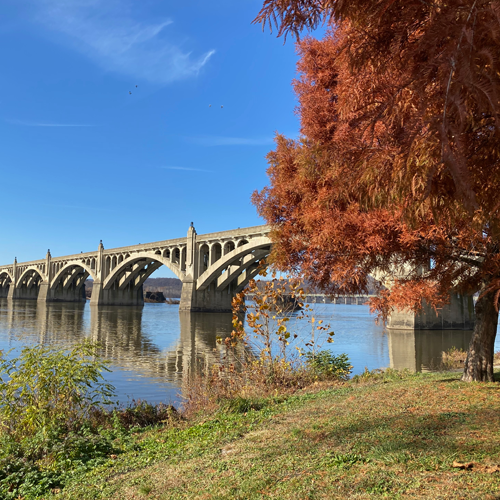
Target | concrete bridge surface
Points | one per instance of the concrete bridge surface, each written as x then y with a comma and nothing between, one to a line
212,267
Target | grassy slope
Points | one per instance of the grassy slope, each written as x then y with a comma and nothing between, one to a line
388,438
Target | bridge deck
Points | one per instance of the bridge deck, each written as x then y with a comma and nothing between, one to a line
201,238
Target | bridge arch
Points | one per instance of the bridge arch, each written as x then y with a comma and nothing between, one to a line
28,284
176,256
215,252
229,246
147,259
234,263
5,281
71,265
4,273
68,283
123,284
30,273
204,258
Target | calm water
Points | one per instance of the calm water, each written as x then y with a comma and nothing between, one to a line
152,348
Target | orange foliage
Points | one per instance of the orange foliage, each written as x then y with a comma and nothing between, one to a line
398,165
419,78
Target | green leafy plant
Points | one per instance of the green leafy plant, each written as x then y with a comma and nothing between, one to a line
55,420
48,401
44,388
328,365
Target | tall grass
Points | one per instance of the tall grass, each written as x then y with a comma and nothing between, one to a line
455,358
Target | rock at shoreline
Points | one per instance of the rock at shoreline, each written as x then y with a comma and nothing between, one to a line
156,297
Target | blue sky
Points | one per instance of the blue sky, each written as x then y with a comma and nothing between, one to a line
82,159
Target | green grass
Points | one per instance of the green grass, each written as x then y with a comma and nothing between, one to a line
386,436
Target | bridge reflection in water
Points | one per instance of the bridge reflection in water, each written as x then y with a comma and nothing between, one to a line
153,349
120,333
421,350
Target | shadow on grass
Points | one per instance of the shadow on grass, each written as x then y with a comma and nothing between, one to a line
434,436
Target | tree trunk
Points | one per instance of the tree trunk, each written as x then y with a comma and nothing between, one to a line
479,363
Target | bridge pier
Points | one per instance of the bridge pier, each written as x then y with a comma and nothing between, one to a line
115,296
208,300
12,292
73,293
44,293
457,315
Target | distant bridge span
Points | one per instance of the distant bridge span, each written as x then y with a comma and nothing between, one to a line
212,267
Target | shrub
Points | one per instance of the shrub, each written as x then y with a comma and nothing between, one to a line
325,364
47,397
275,303
44,389
54,418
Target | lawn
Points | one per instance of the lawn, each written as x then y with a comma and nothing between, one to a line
384,436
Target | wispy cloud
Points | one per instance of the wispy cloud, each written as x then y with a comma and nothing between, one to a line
210,140
187,168
106,31
47,124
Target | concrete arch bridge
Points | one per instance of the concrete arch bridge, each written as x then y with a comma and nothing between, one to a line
212,267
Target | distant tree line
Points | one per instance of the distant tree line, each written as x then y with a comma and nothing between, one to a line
171,287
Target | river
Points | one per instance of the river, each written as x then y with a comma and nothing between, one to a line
151,349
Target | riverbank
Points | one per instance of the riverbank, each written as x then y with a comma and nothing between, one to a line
392,435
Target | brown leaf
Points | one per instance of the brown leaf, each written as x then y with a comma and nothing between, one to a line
489,469
460,465
492,468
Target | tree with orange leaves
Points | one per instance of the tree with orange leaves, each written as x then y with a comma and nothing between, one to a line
397,170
